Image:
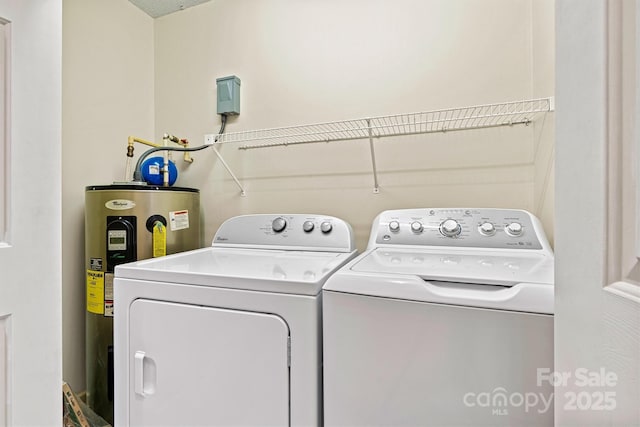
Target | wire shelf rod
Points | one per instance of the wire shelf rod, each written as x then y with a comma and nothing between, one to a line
400,124
445,120
420,132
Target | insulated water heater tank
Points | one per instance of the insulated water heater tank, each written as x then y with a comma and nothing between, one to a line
125,223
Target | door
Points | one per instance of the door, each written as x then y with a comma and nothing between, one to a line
201,366
30,276
597,321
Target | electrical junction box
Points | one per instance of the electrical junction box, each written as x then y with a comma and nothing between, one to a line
228,95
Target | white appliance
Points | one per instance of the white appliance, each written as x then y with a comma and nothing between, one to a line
231,334
445,320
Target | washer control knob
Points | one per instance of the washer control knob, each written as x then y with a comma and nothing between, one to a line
416,227
450,228
394,226
326,227
487,229
279,224
308,226
514,229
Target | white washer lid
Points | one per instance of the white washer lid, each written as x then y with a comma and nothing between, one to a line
293,272
496,267
483,279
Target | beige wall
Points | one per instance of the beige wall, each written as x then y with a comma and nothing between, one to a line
107,95
302,62
314,61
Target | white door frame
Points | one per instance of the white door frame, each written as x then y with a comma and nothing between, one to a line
30,200
597,321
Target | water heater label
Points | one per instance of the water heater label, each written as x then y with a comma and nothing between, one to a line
108,295
178,220
95,292
120,204
95,264
159,240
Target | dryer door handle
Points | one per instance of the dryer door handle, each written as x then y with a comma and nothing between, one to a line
144,372
138,372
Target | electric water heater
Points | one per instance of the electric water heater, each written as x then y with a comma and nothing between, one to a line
125,223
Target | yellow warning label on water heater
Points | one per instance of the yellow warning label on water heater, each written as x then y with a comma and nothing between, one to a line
95,292
159,240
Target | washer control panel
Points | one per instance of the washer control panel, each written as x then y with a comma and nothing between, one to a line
466,227
287,231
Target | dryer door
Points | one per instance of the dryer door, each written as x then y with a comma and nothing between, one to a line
203,366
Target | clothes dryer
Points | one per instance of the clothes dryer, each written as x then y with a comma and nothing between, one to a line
230,334
445,320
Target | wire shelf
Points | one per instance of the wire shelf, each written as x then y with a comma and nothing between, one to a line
453,119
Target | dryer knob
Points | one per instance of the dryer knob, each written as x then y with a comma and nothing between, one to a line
326,227
394,226
450,228
416,227
514,229
308,226
279,224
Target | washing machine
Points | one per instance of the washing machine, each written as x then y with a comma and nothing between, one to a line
228,335
445,320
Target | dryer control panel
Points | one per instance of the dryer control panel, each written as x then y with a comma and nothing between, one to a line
459,227
301,232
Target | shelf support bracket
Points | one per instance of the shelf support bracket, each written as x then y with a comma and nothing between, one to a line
376,187
226,166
